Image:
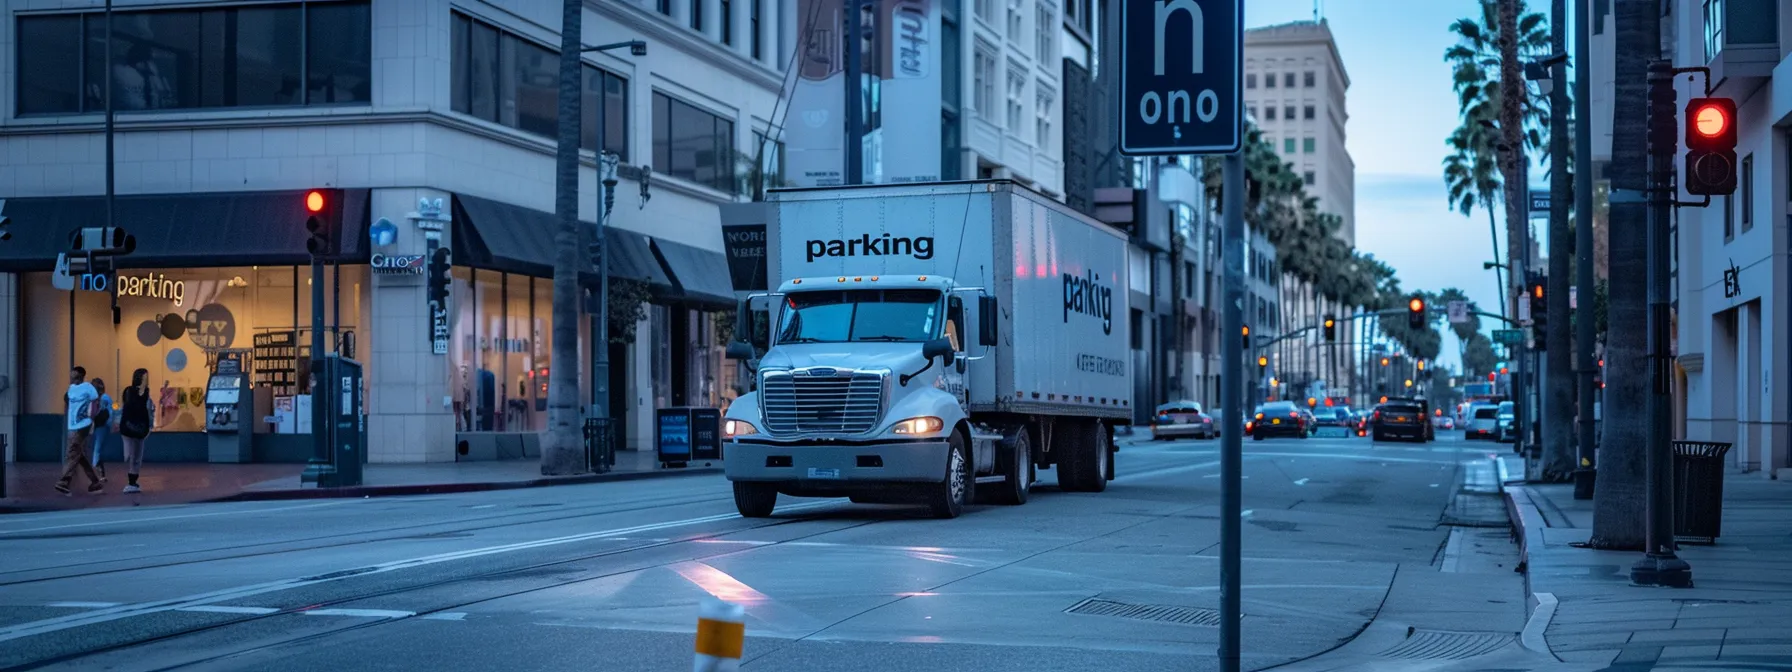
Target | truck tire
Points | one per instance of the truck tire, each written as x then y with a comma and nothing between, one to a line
1086,469
1016,464
947,498
755,500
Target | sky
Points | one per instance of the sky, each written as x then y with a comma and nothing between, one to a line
1401,109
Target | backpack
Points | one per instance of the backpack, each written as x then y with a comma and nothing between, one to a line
101,414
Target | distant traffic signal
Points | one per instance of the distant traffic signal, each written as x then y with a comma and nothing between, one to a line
1711,146
1247,337
1262,363
1415,312
1384,361
1330,327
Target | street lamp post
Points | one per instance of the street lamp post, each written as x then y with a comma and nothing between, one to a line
600,313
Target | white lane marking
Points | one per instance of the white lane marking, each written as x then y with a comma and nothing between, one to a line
133,521
446,616
483,506
1247,512
1348,456
1168,471
83,605
1301,481
48,625
1433,485
360,613
1453,551
227,609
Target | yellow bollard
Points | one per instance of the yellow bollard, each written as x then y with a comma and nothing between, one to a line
721,634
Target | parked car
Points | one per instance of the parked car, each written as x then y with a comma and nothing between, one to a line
1179,419
1483,422
1399,419
1508,423
1325,417
1280,418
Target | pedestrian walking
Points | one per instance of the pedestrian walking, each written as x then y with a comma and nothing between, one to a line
102,427
83,404
136,417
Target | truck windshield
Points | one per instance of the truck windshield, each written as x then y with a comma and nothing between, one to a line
860,315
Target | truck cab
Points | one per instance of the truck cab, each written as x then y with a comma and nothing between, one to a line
862,393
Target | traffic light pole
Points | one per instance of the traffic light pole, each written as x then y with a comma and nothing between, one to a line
1232,401
1660,565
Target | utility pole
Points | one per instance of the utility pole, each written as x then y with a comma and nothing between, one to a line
1584,363
1232,400
1660,565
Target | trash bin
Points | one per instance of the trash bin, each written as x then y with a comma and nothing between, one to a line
1698,490
600,448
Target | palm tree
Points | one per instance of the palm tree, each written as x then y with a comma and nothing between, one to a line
1559,381
560,449
1619,499
1471,174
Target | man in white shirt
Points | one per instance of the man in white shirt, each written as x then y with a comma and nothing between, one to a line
81,397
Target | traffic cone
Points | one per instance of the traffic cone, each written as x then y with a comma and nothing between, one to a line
721,634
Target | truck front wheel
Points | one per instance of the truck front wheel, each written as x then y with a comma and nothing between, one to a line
947,498
755,500
1016,464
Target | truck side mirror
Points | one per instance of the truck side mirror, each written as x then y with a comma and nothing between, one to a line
939,347
740,350
986,320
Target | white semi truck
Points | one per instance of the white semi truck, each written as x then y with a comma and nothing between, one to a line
930,343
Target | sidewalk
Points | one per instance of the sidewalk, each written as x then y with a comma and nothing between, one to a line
1739,611
30,486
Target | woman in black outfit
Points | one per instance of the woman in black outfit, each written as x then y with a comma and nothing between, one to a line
137,416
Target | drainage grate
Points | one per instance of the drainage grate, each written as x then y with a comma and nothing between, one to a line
1147,612
1440,645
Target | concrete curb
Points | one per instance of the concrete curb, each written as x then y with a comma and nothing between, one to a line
447,488
1527,527
404,490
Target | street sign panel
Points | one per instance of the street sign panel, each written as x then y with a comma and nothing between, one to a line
1540,201
1458,312
1181,65
1508,336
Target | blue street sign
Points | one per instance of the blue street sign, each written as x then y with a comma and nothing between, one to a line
1181,69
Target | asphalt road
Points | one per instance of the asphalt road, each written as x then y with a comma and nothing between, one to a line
609,576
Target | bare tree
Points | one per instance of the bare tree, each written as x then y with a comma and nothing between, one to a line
560,449
1619,499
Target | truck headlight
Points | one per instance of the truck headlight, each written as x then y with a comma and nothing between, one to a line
734,428
921,425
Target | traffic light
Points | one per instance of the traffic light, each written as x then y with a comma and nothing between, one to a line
1711,146
102,241
1330,327
1415,312
321,219
438,277
1247,337
1421,364
1262,363
1384,361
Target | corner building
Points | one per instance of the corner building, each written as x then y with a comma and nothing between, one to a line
419,119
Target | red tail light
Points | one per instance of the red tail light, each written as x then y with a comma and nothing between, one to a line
1377,416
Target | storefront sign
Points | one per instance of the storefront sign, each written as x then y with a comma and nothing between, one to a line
1732,281
152,285
397,264
383,232
746,256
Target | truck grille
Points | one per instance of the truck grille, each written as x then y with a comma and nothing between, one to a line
837,401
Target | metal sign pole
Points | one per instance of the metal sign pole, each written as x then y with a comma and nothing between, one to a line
1232,401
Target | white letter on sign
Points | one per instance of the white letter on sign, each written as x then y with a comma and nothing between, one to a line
1207,105
1151,101
1164,11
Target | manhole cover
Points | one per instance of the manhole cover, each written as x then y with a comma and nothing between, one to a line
1439,645
1147,612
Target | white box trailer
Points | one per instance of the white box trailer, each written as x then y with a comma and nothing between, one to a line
929,341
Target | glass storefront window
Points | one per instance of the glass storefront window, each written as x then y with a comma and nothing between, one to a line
500,351
173,322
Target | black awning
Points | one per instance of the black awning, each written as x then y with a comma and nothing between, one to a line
183,230
701,275
500,236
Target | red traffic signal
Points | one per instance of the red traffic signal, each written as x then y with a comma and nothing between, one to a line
314,201
1710,146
